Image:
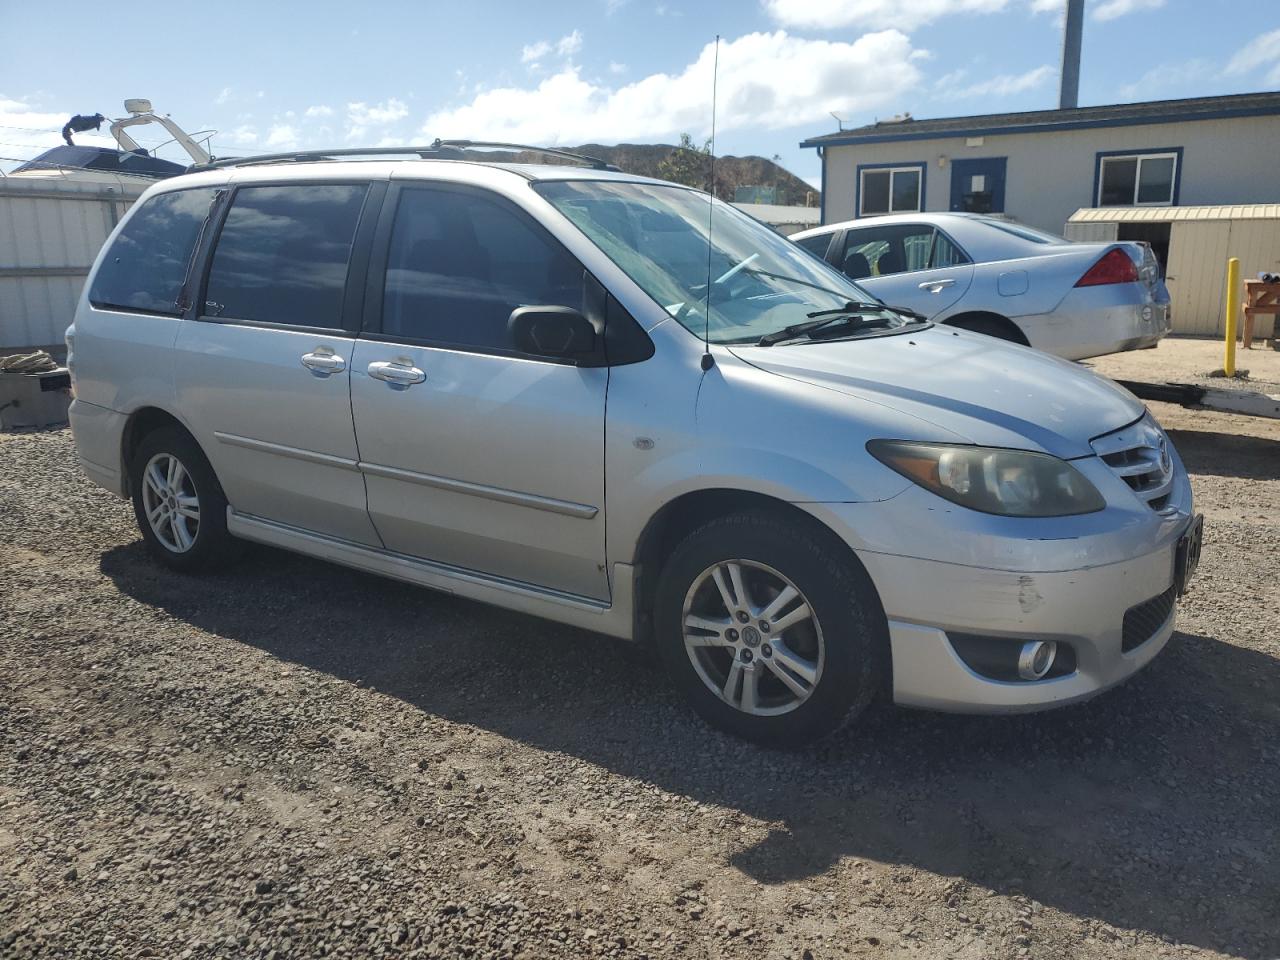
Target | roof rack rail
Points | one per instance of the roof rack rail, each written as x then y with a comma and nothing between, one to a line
437,150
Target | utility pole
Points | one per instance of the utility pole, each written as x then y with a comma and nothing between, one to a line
1072,37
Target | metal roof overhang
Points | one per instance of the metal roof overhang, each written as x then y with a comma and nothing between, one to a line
1237,211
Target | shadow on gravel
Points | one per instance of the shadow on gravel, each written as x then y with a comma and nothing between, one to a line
1151,807
1228,454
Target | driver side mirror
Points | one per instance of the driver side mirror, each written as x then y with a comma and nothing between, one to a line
554,331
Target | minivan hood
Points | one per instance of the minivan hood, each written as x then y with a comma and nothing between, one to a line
984,391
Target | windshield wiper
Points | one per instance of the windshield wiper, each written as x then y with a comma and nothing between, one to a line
825,318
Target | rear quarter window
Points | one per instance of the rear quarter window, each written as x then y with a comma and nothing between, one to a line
146,266
817,245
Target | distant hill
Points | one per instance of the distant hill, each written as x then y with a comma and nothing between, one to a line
645,159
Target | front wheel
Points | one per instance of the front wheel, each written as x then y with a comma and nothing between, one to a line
772,632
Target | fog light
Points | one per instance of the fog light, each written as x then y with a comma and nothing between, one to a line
1036,658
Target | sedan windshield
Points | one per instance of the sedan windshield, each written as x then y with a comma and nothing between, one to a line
760,282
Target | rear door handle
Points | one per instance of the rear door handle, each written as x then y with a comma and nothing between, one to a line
323,362
936,286
396,374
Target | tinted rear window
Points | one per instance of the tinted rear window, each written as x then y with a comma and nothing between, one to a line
145,268
282,254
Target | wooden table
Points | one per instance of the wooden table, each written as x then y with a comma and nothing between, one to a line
1259,298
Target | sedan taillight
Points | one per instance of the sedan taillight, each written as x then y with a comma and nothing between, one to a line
1116,266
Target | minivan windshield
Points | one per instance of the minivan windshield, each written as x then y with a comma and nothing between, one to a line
760,282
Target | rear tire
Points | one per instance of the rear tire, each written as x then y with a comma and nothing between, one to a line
179,503
780,671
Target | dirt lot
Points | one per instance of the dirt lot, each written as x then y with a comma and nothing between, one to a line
293,760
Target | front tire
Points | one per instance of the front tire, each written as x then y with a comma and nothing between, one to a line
773,633
179,504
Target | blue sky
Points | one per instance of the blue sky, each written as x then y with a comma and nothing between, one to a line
271,76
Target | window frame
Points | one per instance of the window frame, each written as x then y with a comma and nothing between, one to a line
1152,153
375,281
891,168
357,264
195,262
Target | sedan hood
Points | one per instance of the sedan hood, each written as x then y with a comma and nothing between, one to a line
979,389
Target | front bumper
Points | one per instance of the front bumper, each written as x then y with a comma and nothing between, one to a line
1085,609
1068,579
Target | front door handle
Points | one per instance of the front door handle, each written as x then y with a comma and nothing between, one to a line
936,286
323,362
397,374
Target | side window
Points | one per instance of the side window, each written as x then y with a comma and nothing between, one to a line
945,253
282,254
147,264
817,245
459,263
880,251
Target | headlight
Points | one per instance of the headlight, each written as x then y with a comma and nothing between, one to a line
1013,483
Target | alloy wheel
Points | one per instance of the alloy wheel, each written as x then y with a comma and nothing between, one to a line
170,502
753,637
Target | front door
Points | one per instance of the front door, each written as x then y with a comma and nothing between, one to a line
475,455
263,371
910,265
977,186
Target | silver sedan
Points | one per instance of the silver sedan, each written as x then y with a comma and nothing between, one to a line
1004,279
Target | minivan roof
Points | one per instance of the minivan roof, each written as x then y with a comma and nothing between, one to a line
407,168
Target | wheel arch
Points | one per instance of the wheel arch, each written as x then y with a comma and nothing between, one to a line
142,422
680,516
976,318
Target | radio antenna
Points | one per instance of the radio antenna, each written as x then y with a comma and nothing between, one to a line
707,360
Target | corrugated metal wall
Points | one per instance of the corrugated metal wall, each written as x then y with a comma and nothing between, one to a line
1198,252
50,233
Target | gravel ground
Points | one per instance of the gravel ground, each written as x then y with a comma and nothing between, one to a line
294,760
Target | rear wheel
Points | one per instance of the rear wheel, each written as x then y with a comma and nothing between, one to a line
178,503
771,633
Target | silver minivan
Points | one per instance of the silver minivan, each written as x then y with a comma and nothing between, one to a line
612,402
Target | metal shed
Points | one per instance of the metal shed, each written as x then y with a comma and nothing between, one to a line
51,229
1194,244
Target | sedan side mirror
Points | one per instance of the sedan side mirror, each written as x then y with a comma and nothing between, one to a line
554,331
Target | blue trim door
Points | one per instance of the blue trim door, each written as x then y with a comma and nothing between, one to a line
977,186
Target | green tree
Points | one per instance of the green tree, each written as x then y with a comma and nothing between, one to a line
687,164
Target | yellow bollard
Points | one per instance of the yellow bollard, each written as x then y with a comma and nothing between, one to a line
1233,308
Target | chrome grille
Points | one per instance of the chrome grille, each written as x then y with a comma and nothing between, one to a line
1140,455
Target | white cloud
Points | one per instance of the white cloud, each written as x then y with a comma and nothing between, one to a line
616,68
223,96
872,14
568,45
1110,9
1003,85
1262,50
533,52
767,81
319,111
245,135
361,117
283,135
1048,6
1164,79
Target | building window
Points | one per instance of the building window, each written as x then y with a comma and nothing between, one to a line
1138,179
890,190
